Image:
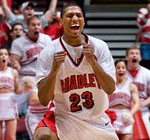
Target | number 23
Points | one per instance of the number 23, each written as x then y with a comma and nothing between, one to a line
75,99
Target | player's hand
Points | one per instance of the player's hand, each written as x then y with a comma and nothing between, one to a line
88,52
59,58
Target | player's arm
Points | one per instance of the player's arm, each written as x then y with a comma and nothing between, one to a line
51,11
135,99
104,79
7,10
47,85
15,59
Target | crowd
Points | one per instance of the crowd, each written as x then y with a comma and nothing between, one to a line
57,83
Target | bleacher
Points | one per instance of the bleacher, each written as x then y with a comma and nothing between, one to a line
115,24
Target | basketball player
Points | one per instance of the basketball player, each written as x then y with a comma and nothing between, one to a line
140,76
120,102
77,73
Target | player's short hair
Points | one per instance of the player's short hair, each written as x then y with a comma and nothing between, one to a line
131,48
70,5
32,18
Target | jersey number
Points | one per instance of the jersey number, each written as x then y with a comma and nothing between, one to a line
75,99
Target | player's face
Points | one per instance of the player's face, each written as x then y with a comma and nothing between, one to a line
120,69
73,21
34,27
17,31
28,12
133,58
4,57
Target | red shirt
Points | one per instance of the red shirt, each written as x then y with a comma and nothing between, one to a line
4,34
54,30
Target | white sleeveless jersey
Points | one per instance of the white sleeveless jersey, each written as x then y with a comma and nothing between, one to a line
79,102
76,90
29,51
7,79
121,95
142,81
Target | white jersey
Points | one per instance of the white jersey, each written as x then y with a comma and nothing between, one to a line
7,79
29,51
121,95
142,81
78,99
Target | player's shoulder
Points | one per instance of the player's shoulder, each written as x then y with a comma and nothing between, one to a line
98,44
96,41
53,47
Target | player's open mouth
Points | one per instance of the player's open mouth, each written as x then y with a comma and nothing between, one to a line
134,60
75,27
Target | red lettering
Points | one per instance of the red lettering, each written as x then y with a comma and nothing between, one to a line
80,81
67,86
62,86
73,84
91,80
86,84
33,51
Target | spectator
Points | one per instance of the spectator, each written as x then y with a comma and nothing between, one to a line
35,110
75,75
15,32
27,9
140,76
143,22
24,53
9,85
120,102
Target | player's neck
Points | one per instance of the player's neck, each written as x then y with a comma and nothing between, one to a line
74,41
